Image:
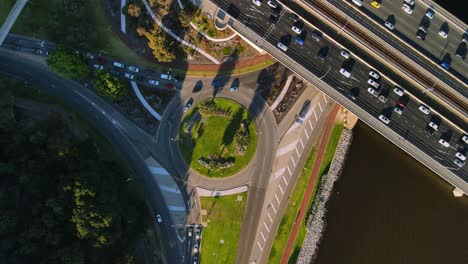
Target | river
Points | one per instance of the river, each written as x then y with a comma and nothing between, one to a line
388,208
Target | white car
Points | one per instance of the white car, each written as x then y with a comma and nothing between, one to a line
133,69
465,138
389,25
129,76
198,233
282,47
398,91
460,156
296,29
383,99
158,218
98,67
424,109
373,83
345,54
430,13
374,74
257,2
398,110
407,9
345,73
372,91
444,143
195,248
384,119
459,163
153,82
433,125
409,2
272,4
443,33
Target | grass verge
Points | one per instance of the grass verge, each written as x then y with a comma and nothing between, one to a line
216,135
5,8
224,218
296,197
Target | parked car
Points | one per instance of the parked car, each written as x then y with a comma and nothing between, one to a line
118,65
460,156
444,143
129,76
465,138
158,218
459,163
297,27
373,83
409,2
272,4
345,73
433,125
316,35
399,91
190,231
397,109
282,46
198,233
323,52
389,25
421,34
407,8
383,98
373,91
98,67
293,17
195,248
424,109
374,74
153,82
375,4
345,54
430,13
384,119
257,2
443,33
133,69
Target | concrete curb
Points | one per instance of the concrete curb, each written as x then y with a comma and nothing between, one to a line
202,192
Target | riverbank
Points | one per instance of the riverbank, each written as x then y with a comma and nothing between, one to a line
316,223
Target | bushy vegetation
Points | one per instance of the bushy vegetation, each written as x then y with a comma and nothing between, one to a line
61,200
68,64
109,85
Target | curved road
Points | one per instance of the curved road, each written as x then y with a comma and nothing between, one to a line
112,124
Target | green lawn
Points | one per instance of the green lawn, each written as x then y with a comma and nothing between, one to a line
296,198
208,137
224,217
5,7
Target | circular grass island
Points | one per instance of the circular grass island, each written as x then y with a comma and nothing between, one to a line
217,138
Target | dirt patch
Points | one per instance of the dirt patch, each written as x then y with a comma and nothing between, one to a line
295,89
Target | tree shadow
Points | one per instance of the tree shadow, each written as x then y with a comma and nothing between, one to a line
233,127
224,72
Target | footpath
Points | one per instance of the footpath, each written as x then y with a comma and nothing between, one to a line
310,186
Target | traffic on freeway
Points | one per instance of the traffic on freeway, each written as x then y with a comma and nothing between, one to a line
350,77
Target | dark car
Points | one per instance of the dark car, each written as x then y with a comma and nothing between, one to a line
421,34
316,35
273,19
323,52
429,130
461,51
293,17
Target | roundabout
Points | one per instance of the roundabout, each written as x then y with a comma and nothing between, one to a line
217,137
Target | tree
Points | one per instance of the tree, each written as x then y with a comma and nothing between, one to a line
109,85
134,10
160,44
68,64
8,221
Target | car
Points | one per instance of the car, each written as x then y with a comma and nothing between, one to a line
399,91
282,47
198,233
465,37
407,8
293,17
129,76
273,19
401,104
190,232
300,39
459,163
158,218
353,95
133,69
384,119
383,99
272,4
316,35
166,76
461,156
323,52
409,2
421,34
195,260
397,109
461,51
444,143
345,73
375,4
98,67
389,25
116,73
445,65
195,248
358,2
153,82
443,33
423,27
373,83
233,88
374,74
430,13
118,65
257,2
188,105
373,91
345,54
465,138
433,125
296,28
424,109
429,130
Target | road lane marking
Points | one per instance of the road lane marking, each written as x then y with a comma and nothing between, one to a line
258,244
294,162
320,106
273,206
276,196
300,140
325,97
268,229
297,151
264,239
278,173
310,124
307,134
169,189
315,114
269,216
176,208
158,170
284,179
281,189
289,170
286,148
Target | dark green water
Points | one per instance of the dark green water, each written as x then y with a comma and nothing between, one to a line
388,208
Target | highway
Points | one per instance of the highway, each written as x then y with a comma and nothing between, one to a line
409,126
112,124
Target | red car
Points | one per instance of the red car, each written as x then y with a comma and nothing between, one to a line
401,104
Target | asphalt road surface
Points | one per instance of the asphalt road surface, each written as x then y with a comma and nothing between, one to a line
110,123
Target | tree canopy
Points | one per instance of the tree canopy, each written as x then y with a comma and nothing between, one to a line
109,85
68,64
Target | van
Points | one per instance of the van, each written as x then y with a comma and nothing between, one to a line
166,76
118,65
358,2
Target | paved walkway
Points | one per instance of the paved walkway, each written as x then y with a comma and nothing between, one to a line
239,64
310,187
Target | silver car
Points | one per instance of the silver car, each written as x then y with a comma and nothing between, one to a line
459,163
398,91
389,25
373,83
384,119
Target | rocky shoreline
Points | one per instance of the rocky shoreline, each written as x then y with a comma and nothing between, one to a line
316,222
